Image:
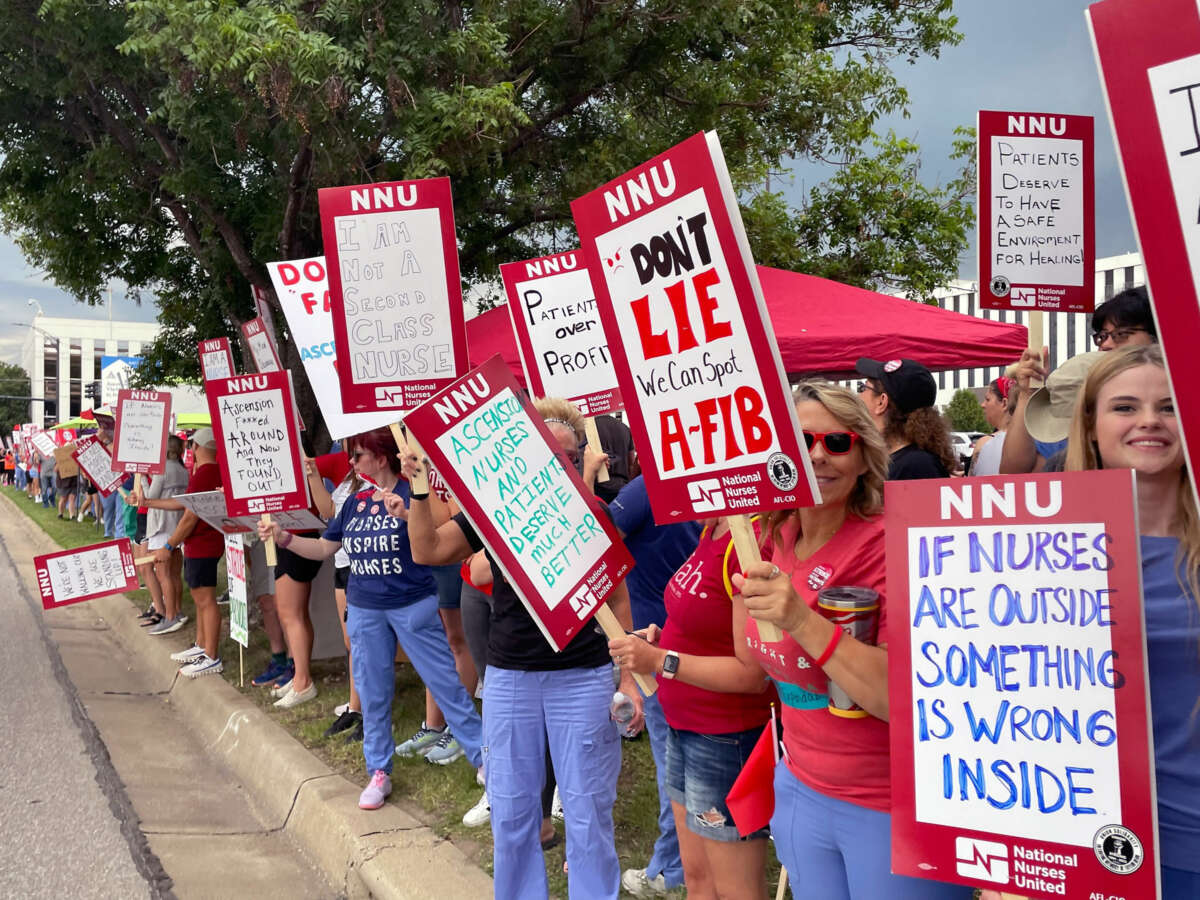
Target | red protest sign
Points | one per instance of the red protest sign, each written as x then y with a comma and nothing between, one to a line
262,345
140,434
254,419
559,334
1149,57
395,291
216,359
1020,725
536,517
700,374
1037,211
85,573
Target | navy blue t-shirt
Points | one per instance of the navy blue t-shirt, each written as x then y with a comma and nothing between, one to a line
658,550
382,572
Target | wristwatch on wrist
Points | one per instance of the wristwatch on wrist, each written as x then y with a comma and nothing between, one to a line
670,664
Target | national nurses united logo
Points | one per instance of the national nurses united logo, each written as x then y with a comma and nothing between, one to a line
782,471
818,576
1118,849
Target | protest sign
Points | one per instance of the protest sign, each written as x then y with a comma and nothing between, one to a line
96,462
1149,58
1020,732
64,461
235,565
303,294
1037,228
210,506
559,334
700,374
254,420
395,291
43,441
140,434
262,345
262,306
73,576
115,375
535,515
216,359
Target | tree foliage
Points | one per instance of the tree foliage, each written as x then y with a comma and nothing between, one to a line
177,145
965,413
14,382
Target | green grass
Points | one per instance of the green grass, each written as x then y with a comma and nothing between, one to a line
437,795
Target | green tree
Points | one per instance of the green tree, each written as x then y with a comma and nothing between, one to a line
965,413
177,145
14,406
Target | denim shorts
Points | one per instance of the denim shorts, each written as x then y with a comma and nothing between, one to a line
701,770
449,585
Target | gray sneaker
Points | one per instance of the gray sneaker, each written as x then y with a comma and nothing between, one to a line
422,742
445,751
167,626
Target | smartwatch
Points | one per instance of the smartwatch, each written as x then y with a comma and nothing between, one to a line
670,664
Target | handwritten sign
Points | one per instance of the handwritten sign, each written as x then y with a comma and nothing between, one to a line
235,564
261,344
395,291
96,462
43,441
140,434
210,506
562,557
216,359
303,293
1037,231
559,334
1021,743
256,428
700,373
85,573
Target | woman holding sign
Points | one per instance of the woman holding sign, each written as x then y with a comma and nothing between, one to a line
832,825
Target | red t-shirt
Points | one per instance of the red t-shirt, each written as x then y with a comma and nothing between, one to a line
700,622
841,757
204,541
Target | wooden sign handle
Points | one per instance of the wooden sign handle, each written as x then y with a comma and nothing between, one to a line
748,552
137,483
143,561
612,628
593,442
1037,327
781,891
269,543
419,483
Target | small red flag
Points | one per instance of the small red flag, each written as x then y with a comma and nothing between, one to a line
751,800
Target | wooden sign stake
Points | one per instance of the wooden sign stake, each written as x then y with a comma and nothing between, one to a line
269,543
748,552
241,668
420,482
593,441
612,628
781,892
1037,320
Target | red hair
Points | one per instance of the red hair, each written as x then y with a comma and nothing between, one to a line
380,442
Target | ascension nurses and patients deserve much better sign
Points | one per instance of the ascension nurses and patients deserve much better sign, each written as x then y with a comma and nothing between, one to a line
535,514
700,373
1020,721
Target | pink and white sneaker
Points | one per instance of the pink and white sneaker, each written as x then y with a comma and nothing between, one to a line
376,791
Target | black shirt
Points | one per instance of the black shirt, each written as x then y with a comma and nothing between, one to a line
910,463
514,639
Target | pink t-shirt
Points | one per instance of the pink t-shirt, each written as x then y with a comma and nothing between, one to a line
840,757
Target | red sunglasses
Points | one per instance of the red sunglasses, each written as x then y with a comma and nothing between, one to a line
836,443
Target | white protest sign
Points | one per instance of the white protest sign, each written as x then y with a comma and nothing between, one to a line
73,576
210,506
235,564
44,443
140,436
262,347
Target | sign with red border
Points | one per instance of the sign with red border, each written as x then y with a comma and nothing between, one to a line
262,345
700,374
85,573
1037,211
1022,751
1149,59
254,420
539,521
216,359
559,334
143,422
210,506
96,462
395,291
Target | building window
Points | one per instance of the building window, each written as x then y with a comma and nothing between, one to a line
1108,284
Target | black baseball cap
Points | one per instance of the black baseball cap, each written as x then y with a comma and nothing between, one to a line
908,384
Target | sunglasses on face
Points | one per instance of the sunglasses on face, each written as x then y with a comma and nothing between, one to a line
836,443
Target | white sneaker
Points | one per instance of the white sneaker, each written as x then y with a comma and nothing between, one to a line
295,698
186,656
282,690
479,814
203,665
340,708
556,810
637,883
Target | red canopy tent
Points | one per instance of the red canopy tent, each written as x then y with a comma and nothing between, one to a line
822,327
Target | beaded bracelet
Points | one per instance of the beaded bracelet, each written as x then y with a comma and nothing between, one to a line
830,647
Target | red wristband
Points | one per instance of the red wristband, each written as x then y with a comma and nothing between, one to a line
830,647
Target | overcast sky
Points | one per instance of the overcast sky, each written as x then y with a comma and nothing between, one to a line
1023,55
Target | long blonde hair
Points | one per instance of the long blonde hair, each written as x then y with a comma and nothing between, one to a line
1084,455
866,499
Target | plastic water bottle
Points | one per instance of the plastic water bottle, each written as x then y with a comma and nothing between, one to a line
621,709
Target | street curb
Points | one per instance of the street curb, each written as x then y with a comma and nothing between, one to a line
384,853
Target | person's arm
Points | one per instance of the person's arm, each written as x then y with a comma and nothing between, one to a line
618,602
859,669
481,570
187,524
1019,454
317,548
320,494
431,544
592,461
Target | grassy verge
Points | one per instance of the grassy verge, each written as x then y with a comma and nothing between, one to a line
437,795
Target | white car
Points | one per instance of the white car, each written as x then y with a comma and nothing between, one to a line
963,443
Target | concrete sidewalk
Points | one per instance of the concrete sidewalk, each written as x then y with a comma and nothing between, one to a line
384,853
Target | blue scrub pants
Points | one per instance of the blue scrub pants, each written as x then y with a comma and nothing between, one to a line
418,629
521,710
842,851
113,508
665,861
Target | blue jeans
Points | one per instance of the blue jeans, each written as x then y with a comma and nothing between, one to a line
570,708
701,770
418,628
47,482
113,508
840,850
665,860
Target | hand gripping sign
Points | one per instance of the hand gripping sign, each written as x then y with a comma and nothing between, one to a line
143,421
1021,746
94,459
85,573
395,292
538,520
216,359
700,374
